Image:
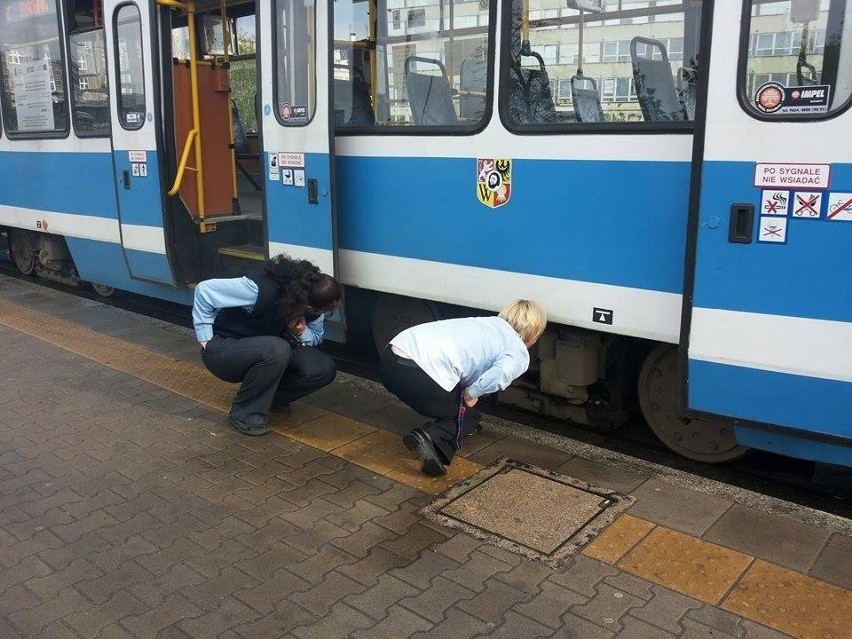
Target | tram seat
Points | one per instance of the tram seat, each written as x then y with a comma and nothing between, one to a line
352,105
531,99
586,99
242,150
473,77
429,96
655,88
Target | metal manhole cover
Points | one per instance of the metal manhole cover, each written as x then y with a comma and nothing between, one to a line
529,510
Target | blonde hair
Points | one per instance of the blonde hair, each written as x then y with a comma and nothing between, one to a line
526,317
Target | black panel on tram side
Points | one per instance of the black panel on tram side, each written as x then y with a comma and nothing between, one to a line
706,40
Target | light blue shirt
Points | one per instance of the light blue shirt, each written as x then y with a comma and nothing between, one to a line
484,354
238,292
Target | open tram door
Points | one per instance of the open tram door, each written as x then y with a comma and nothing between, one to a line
135,143
295,104
767,324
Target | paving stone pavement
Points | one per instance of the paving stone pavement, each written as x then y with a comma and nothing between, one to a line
127,511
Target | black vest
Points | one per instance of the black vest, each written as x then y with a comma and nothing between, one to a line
263,318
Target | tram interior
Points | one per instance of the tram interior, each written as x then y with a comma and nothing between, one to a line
214,70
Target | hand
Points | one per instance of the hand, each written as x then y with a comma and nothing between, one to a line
469,401
297,327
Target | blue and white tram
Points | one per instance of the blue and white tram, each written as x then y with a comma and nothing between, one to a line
668,177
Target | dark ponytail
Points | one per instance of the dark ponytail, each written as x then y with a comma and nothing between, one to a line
324,293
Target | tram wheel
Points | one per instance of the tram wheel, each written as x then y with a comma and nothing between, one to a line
23,247
395,313
103,290
706,440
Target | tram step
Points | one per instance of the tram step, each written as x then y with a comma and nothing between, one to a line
245,251
222,219
235,261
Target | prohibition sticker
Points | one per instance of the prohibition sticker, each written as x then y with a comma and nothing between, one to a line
773,229
807,205
839,207
775,203
493,181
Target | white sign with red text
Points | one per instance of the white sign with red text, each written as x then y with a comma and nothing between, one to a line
781,175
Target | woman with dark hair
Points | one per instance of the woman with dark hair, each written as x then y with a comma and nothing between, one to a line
260,331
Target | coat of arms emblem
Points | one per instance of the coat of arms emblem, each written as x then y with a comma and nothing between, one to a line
493,181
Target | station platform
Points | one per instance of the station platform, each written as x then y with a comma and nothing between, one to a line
130,508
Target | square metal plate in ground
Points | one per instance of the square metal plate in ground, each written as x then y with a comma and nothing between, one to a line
529,510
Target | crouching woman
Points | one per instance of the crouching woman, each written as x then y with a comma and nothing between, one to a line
442,368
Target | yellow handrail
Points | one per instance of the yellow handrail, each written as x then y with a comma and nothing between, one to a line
182,166
194,136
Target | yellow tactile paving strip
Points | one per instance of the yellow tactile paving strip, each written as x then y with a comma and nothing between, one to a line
694,567
790,602
783,599
359,443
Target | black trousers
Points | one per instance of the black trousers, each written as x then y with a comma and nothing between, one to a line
269,371
412,385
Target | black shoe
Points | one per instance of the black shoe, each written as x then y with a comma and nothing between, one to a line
430,463
252,430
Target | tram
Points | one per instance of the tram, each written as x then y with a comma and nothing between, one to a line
669,178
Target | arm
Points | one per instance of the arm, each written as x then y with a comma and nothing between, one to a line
213,295
314,331
505,369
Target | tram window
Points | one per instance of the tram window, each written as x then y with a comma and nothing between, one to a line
243,71
422,65
796,63
295,61
87,63
34,97
131,75
627,62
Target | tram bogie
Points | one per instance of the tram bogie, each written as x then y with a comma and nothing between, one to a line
655,173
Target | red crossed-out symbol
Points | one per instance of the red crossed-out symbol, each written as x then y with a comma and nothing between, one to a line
776,232
807,206
840,209
771,207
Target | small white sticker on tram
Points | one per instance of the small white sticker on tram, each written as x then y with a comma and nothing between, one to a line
775,203
781,175
807,205
137,156
840,207
773,229
273,167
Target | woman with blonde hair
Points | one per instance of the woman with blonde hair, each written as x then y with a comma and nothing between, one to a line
442,368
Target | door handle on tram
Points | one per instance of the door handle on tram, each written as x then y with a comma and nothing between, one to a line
741,227
125,179
313,191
